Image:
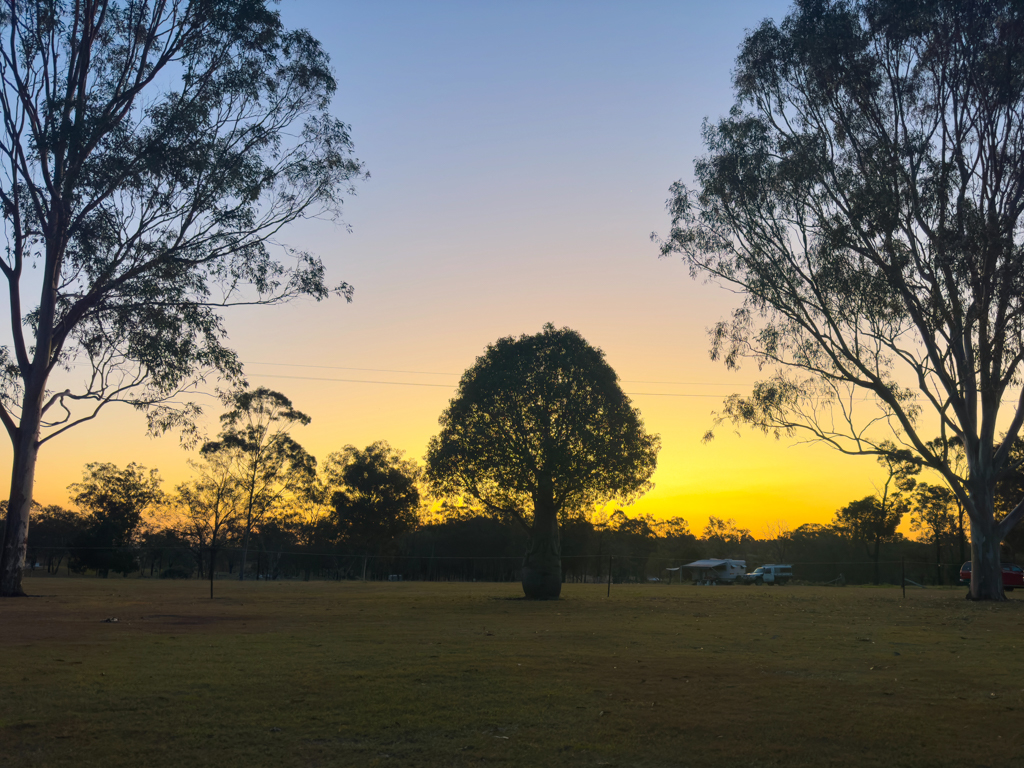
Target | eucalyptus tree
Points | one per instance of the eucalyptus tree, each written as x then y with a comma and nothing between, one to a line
375,494
209,504
872,521
114,501
151,152
269,466
865,196
724,537
538,429
934,516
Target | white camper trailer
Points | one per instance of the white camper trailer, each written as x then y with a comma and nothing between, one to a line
714,571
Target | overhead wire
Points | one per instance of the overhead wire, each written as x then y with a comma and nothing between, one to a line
452,386
447,386
442,373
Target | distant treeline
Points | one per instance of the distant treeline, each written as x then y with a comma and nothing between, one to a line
259,506
475,547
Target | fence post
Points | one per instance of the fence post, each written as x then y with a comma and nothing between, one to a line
903,573
364,567
610,558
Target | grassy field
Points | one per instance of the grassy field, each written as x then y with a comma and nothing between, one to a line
411,674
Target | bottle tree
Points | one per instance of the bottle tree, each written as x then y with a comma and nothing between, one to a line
540,428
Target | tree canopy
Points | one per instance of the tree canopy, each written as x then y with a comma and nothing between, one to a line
150,156
375,497
266,463
114,500
864,197
209,504
540,427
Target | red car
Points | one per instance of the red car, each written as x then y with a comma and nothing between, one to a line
1013,575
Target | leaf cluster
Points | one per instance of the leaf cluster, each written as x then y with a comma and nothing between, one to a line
543,409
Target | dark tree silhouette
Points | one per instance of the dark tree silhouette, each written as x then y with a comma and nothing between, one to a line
954,452
54,530
865,197
540,428
1009,491
873,522
934,515
150,155
209,504
268,465
724,537
114,500
377,498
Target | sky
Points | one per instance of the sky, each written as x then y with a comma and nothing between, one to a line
520,155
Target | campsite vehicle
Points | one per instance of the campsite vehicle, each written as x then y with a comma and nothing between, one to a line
714,571
768,574
1013,575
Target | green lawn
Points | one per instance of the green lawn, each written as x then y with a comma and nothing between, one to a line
410,674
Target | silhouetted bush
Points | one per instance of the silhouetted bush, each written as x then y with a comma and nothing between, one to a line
175,572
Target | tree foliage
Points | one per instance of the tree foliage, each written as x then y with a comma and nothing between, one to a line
540,428
873,520
541,409
724,537
376,496
210,503
54,531
114,501
864,196
150,155
267,464
934,516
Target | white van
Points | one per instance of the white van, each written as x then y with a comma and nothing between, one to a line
769,574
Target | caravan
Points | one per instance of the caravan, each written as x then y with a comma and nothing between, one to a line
714,571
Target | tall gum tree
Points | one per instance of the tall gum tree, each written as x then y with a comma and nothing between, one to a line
151,151
864,196
539,429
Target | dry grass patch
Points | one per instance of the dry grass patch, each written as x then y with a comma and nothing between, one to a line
325,674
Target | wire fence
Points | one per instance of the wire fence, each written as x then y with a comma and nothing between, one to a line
308,564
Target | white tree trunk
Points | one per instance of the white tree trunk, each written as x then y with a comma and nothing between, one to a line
23,474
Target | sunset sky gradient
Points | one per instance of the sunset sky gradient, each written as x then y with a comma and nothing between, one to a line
520,156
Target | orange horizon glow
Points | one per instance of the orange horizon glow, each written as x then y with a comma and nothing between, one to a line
748,477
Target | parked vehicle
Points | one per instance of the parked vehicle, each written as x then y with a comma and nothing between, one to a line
715,571
769,574
1013,575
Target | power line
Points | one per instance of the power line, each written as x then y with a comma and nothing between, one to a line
353,381
347,368
446,386
441,373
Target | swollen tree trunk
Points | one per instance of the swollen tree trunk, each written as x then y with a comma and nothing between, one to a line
986,566
542,568
23,473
